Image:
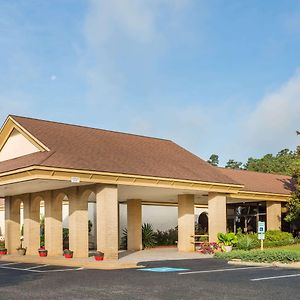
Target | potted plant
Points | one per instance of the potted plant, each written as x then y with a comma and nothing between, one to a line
3,250
99,255
42,251
228,240
21,250
68,253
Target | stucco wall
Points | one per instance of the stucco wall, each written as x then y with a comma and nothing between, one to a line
161,217
16,145
2,220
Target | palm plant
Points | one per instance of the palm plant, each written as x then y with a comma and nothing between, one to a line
148,236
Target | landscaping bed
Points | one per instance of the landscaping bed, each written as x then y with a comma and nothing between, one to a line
273,238
265,256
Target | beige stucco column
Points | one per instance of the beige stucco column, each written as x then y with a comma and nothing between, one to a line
31,224
216,215
53,223
107,220
273,215
78,223
134,224
12,224
186,223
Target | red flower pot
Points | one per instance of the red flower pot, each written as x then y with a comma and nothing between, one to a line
68,255
3,252
43,253
98,258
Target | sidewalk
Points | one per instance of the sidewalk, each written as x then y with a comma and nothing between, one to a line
156,254
87,263
127,259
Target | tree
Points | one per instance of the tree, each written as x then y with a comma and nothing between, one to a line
214,160
293,204
283,162
233,164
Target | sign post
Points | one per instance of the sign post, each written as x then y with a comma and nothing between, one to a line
261,234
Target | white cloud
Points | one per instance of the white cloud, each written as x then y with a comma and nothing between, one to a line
272,125
122,35
131,17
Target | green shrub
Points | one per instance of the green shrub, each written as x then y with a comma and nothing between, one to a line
247,241
283,256
166,238
228,239
270,244
273,238
277,235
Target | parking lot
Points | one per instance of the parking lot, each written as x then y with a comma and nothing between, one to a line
180,279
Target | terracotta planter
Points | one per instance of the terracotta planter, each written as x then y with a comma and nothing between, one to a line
22,251
43,253
98,257
3,252
68,255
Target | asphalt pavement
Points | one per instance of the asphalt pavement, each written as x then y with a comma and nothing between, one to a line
179,279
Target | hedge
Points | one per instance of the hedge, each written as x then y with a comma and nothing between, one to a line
273,238
283,256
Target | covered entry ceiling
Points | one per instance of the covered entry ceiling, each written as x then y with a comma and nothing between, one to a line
33,186
153,194
147,194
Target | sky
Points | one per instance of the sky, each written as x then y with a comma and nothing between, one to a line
215,76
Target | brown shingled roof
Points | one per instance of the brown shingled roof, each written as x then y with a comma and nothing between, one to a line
84,148
261,182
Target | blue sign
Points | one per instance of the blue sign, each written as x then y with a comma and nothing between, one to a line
261,227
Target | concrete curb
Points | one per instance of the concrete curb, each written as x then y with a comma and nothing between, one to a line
238,262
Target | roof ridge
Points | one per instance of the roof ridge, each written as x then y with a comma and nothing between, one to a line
251,171
94,128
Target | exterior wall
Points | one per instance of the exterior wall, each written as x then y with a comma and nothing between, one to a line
161,217
78,223
16,145
216,215
273,215
134,224
107,220
186,222
53,223
12,223
2,221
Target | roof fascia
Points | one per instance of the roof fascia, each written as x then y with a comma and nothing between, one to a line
50,173
260,196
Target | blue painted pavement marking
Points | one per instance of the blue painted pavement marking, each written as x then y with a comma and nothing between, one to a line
163,270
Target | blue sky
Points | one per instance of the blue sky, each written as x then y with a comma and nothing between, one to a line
215,76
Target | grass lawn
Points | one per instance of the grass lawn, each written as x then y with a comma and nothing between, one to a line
294,248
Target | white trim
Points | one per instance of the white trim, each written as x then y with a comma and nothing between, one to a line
220,270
